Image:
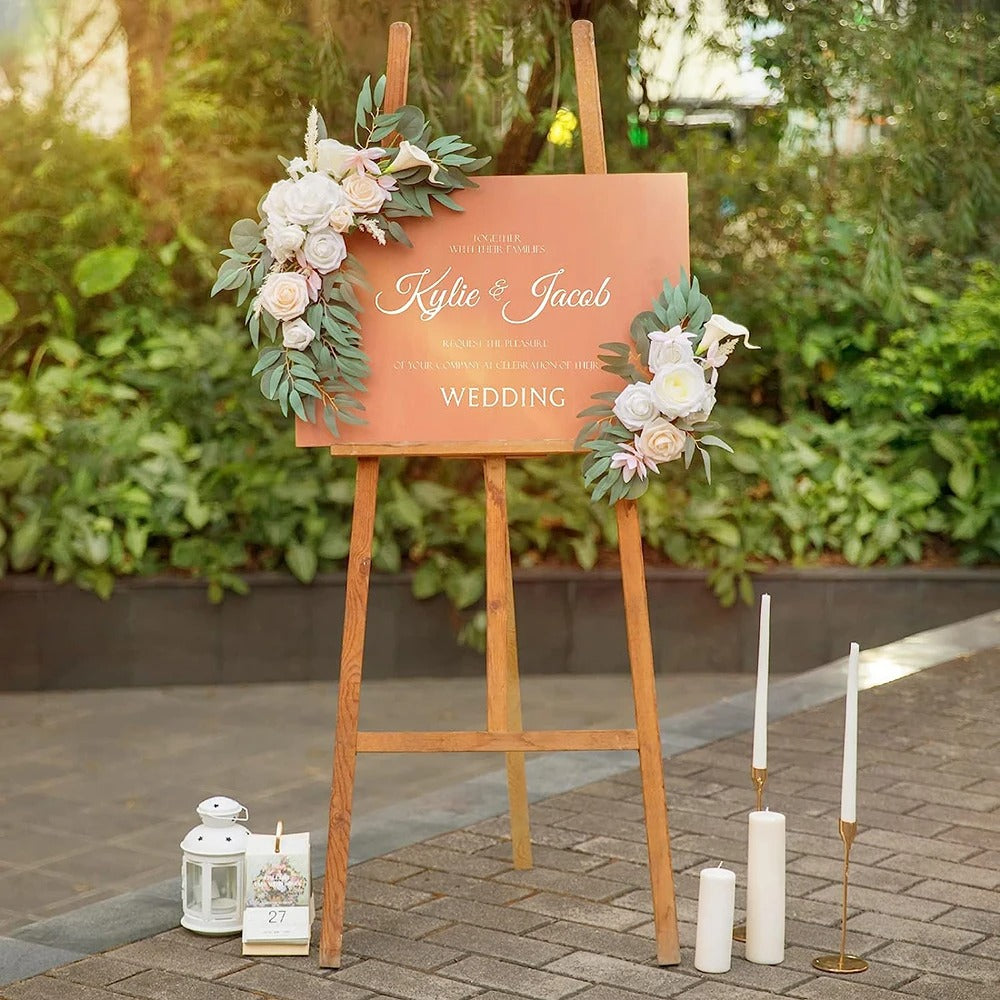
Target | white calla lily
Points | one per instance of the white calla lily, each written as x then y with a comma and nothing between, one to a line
413,156
717,327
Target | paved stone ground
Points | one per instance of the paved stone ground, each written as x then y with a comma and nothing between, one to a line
449,919
98,787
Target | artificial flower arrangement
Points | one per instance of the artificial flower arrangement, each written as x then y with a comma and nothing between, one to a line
671,367
295,261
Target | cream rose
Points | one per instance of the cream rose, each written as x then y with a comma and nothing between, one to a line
635,406
363,192
283,240
413,156
700,416
718,327
325,250
341,218
661,441
275,203
297,334
672,347
284,294
680,389
311,201
332,156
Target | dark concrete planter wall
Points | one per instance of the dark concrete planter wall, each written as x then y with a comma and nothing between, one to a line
164,631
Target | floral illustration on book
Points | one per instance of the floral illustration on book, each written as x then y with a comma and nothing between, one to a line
671,367
277,883
294,265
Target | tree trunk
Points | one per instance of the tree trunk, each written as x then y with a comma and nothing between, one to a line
361,29
524,141
147,25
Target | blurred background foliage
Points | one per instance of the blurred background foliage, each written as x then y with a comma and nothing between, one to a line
132,440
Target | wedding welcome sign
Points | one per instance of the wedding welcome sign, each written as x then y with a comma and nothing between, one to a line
486,332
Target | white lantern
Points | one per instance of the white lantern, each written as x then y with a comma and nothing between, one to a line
212,868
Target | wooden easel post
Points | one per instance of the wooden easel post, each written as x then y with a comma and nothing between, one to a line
640,643
503,731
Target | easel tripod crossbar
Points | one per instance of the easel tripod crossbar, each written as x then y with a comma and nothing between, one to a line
529,741
504,732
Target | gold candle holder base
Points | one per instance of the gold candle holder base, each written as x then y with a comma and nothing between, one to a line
843,964
758,775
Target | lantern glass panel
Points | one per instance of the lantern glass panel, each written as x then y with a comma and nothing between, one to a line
193,883
223,889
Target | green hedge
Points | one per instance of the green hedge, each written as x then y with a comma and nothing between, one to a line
153,452
132,440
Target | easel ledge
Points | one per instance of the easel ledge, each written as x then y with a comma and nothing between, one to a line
504,732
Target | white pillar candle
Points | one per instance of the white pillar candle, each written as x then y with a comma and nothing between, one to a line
849,781
713,949
760,704
766,888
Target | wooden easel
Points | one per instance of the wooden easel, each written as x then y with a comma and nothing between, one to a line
504,731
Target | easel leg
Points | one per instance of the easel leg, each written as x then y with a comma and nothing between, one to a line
503,691
517,784
640,651
348,704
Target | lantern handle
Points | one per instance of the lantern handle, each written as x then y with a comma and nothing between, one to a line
277,837
243,814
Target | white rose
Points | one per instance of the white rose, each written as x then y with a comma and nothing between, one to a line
413,156
670,348
332,156
275,203
341,218
311,201
700,416
661,441
297,167
680,389
325,250
283,240
718,327
297,334
284,294
364,193
635,405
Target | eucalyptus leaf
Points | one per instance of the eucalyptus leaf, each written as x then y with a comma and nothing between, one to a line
268,357
295,402
244,235
716,442
410,122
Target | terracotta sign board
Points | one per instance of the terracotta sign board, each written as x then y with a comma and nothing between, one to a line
484,336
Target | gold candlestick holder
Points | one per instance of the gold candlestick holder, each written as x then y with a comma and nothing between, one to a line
843,964
758,775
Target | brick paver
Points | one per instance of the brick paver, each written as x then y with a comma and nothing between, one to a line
451,920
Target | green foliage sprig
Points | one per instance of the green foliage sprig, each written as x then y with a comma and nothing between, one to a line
304,306
663,413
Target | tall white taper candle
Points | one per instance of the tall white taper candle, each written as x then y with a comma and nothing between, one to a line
760,704
713,947
849,782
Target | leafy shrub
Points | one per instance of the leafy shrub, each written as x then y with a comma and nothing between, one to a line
945,368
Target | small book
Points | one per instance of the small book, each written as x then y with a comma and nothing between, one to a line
278,907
